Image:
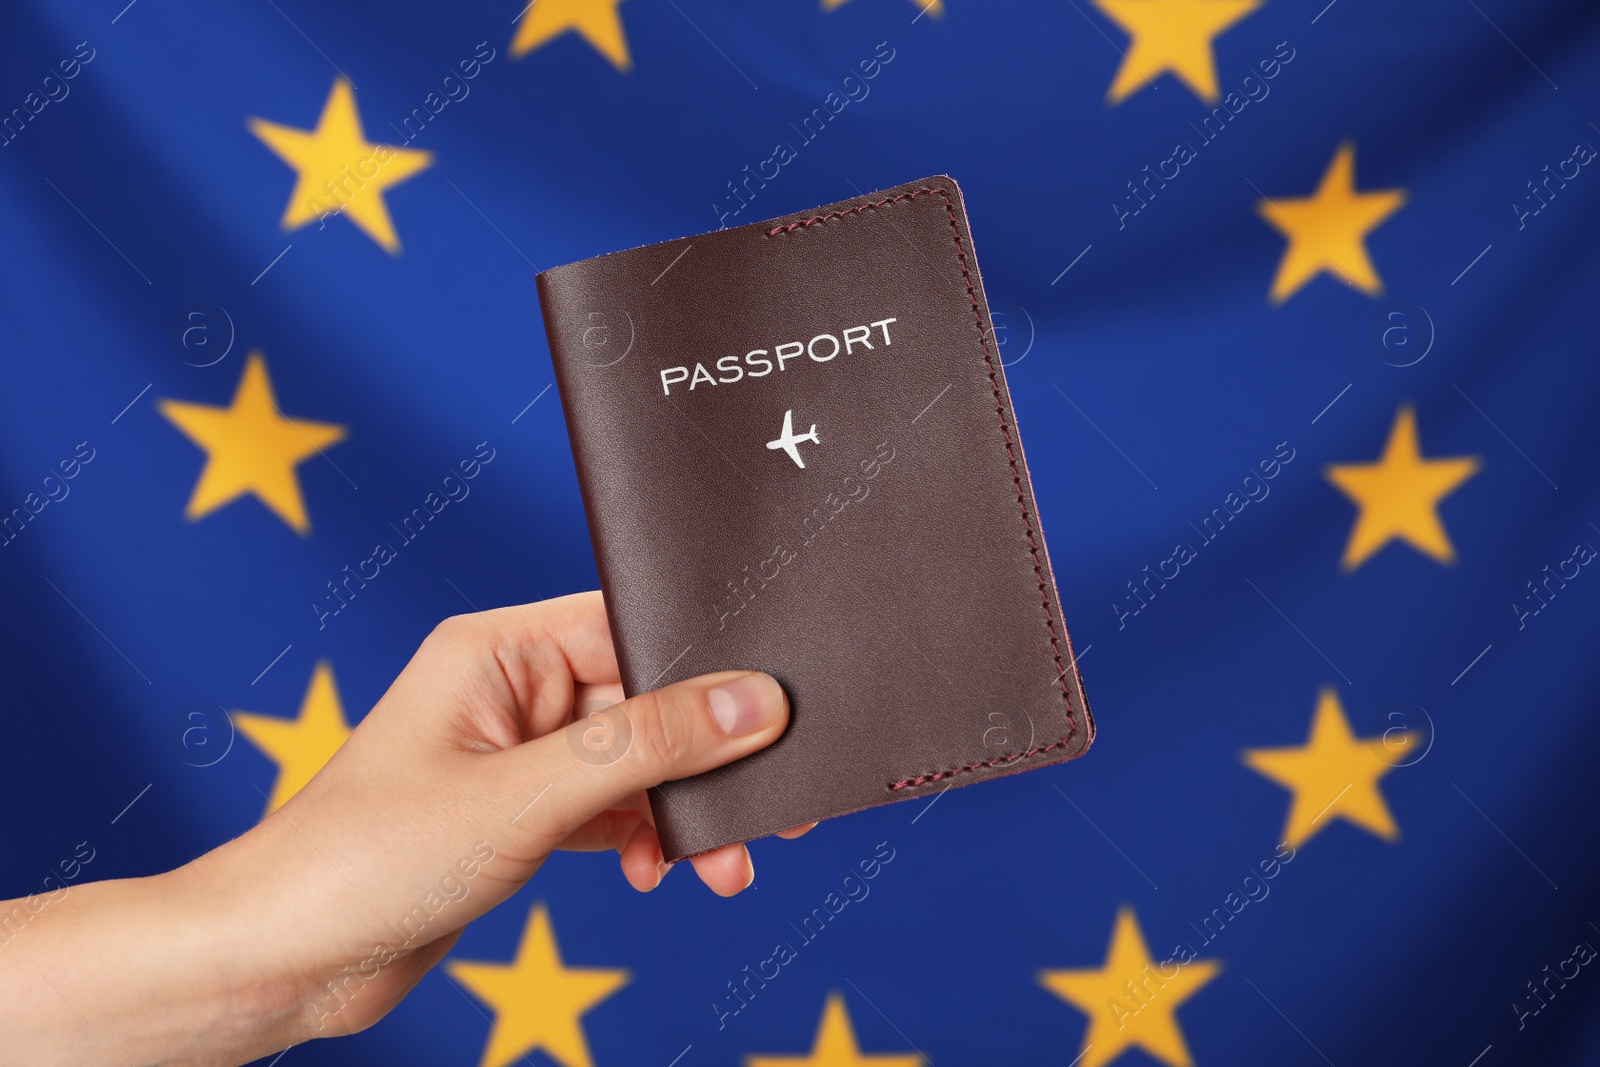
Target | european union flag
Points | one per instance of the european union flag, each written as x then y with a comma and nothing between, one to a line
1296,301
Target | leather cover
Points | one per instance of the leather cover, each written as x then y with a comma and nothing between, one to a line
896,584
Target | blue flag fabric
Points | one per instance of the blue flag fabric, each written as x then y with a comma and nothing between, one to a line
1297,305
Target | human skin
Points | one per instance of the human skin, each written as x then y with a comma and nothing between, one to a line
228,958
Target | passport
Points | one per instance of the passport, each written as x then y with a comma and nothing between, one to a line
798,454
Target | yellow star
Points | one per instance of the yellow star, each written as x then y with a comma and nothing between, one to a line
1132,1000
299,746
1171,35
339,170
930,7
596,21
251,447
1326,231
536,1000
835,1046
1335,774
1399,495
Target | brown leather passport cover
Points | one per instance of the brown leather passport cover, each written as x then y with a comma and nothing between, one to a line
798,455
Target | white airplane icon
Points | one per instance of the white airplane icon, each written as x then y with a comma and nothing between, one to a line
789,442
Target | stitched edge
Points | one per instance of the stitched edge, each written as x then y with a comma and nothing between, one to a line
1011,455
924,779
803,223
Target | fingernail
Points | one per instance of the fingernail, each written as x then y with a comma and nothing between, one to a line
745,704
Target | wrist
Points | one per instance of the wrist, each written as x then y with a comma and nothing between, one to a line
253,906
285,925
234,961
143,970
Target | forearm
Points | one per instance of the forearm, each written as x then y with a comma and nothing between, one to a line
139,971
321,917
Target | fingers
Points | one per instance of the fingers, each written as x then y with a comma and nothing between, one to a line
575,624
678,731
797,831
641,860
726,870
541,660
609,831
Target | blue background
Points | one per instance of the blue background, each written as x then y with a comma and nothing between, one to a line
1161,334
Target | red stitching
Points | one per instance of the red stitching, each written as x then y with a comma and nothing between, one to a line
936,775
803,223
1016,475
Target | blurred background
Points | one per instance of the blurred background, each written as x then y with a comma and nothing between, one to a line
1342,242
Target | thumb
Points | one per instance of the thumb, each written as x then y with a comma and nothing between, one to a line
677,731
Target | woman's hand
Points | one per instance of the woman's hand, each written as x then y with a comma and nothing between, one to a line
498,744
